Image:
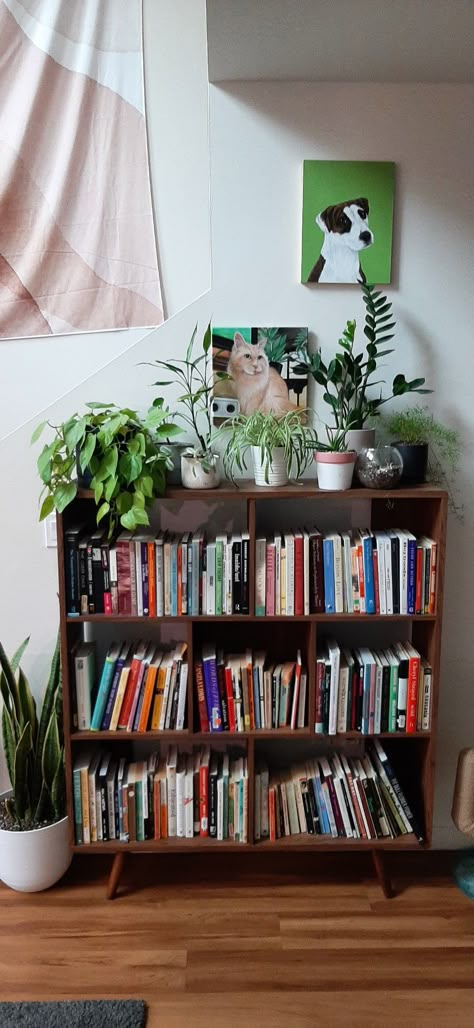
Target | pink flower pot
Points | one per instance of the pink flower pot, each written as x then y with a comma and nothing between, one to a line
335,470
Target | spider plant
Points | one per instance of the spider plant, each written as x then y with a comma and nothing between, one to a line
268,433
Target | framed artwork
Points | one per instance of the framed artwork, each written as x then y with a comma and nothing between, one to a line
347,221
263,368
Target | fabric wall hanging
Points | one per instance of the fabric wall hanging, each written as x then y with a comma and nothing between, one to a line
77,243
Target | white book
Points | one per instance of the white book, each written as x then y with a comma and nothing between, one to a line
403,538
380,541
260,575
228,576
388,572
334,657
171,767
183,684
292,807
343,690
84,660
211,578
277,541
341,797
95,818
220,807
296,772
188,798
180,779
306,572
345,773
427,675
113,579
348,600
378,694
290,573
159,562
338,572
167,664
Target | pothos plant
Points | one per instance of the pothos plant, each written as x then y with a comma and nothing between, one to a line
126,457
195,377
348,379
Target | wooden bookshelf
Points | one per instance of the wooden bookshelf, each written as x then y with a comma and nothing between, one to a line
422,510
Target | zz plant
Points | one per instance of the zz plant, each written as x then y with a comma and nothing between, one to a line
34,749
348,378
126,457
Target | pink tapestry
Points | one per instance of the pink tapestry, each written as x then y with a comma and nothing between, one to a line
77,243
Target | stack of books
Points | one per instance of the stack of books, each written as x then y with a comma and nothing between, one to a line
242,692
357,572
167,575
141,687
372,691
169,795
354,798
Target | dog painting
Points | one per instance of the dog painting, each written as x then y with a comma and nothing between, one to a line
347,240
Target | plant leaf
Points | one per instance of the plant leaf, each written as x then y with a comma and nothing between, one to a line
47,507
64,494
37,432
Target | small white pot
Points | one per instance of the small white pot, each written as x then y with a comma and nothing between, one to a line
335,470
32,861
195,476
277,472
359,438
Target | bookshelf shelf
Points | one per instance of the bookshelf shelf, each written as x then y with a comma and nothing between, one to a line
422,510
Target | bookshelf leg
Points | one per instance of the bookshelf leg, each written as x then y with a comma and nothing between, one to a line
115,875
382,874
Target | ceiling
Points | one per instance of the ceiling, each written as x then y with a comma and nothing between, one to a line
341,40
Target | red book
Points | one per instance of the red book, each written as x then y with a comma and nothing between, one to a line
360,565
124,572
318,713
131,685
180,579
230,697
412,688
204,792
419,576
376,581
250,690
299,574
271,812
433,568
151,580
270,580
201,695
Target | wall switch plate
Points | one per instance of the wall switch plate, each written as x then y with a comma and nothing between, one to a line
50,532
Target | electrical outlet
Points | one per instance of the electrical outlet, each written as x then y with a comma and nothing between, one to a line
50,532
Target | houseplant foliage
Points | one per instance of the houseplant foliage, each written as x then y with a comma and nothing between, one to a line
194,376
416,429
33,746
348,379
126,457
284,439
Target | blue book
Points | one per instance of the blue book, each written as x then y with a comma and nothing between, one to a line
104,689
107,715
174,578
256,696
322,803
368,556
211,687
411,573
322,813
329,588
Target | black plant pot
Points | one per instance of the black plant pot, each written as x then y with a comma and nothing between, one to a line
415,462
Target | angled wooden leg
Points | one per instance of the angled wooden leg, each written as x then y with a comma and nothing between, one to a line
115,873
382,874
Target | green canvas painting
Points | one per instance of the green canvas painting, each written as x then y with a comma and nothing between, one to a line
347,221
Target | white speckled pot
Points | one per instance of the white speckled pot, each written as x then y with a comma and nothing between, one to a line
195,476
277,473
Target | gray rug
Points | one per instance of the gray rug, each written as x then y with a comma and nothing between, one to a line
89,1013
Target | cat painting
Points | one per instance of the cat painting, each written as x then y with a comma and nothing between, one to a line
257,385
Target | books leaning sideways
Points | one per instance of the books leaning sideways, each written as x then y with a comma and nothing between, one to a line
167,575
372,691
142,687
169,795
244,691
336,795
357,572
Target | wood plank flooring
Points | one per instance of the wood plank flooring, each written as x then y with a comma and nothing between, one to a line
287,942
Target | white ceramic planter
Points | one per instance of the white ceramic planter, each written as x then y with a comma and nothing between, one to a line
32,861
195,476
335,470
359,438
277,473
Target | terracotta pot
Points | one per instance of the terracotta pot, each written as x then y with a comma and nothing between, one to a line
335,470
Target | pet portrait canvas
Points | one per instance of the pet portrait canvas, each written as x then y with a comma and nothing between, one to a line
347,221
263,371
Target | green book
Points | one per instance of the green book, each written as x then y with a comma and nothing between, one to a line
219,580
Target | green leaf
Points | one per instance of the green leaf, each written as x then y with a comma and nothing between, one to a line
124,502
135,516
64,494
207,339
108,465
98,491
51,750
146,485
47,507
190,345
37,432
100,406
130,467
27,712
45,457
102,511
87,450
74,434
22,754
9,745
369,332
383,309
109,487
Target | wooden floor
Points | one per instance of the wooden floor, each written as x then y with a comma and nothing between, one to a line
293,942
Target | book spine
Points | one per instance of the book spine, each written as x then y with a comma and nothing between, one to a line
368,558
426,706
212,694
411,590
317,575
270,580
105,559
419,573
433,571
102,695
230,699
319,715
83,589
105,723
237,576
204,800
151,562
412,693
245,608
260,576
76,780
160,579
71,567
329,593
299,576
122,550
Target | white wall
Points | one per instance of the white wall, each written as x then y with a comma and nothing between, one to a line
51,377
260,134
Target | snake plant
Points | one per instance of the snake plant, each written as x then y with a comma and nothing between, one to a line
33,747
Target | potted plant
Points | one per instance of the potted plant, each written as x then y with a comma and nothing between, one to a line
276,442
199,462
335,462
34,831
124,456
348,378
427,447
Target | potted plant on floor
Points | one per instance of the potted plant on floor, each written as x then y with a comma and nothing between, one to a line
278,444
335,462
34,830
428,448
200,461
349,377
122,457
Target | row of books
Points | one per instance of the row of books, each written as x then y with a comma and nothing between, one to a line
164,575
169,795
142,686
242,692
372,691
340,796
380,572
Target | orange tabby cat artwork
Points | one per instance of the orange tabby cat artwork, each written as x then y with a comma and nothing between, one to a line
257,385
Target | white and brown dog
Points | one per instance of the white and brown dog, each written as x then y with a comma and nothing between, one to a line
346,232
